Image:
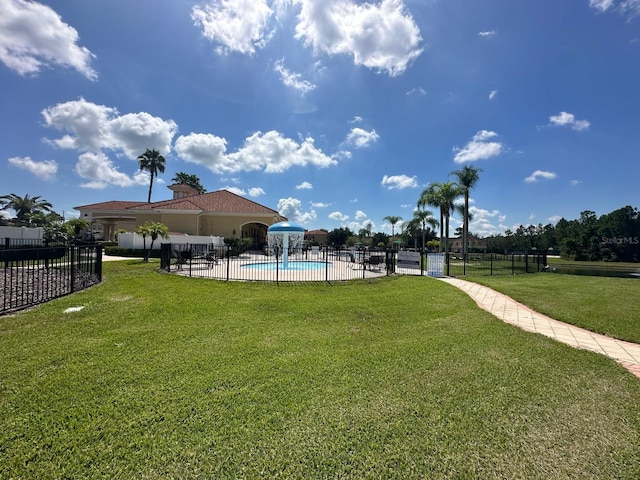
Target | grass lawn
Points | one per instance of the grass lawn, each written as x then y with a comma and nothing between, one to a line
601,304
161,376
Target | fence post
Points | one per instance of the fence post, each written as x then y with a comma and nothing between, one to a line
491,264
72,267
513,264
447,259
526,262
99,262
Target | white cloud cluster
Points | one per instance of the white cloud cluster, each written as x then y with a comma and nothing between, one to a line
360,138
270,152
96,127
293,80
33,36
292,209
569,120
482,223
380,36
479,148
338,216
304,186
252,192
627,7
492,94
399,182
45,170
540,174
236,25
100,172
487,34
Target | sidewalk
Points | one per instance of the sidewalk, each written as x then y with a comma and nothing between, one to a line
508,310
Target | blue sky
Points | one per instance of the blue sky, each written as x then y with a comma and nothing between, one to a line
333,112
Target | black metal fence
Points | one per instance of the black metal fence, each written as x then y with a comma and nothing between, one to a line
33,275
330,264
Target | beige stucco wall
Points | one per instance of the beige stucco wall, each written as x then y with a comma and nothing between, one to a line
183,223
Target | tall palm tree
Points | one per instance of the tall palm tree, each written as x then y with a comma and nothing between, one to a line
468,176
392,219
151,161
442,195
424,218
431,196
190,179
25,207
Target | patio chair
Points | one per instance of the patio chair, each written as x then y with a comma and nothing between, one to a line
181,259
375,262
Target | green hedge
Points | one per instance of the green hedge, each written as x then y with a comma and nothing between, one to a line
130,252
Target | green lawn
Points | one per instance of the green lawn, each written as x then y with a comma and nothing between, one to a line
601,304
161,376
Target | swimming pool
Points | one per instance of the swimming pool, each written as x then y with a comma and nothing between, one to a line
295,265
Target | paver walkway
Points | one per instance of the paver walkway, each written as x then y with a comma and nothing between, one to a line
515,313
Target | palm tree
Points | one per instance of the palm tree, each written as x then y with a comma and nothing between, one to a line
153,230
190,179
392,219
468,176
25,207
151,161
424,218
431,196
442,195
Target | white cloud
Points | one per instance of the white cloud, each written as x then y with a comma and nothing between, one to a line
417,91
235,25
270,152
100,171
360,138
399,182
601,5
236,190
293,80
492,94
204,149
356,119
482,223
338,216
320,204
487,34
540,174
575,182
478,148
360,215
569,120
45,170
256,192
381,36
304,186
292,209
33,36
97,127
555,218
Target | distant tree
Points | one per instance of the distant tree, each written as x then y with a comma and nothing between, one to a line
76,226
468,176
151,161
339,236
431,196
393,220
25,207
425,219
190,179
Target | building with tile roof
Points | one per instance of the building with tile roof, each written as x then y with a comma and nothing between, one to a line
220,213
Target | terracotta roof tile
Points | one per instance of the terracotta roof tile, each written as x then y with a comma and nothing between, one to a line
220,201
111,205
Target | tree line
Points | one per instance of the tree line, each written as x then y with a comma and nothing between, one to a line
612,237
